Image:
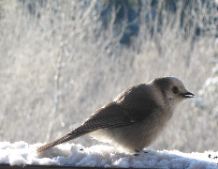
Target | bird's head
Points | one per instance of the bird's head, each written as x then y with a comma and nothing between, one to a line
172,89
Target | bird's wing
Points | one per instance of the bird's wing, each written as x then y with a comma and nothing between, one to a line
110,116
117,115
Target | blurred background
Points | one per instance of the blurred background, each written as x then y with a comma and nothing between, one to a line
60,60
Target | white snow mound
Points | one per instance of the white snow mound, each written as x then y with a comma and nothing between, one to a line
21,153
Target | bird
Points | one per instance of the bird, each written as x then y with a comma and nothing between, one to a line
135,118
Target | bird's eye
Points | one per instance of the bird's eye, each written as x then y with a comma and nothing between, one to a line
175,90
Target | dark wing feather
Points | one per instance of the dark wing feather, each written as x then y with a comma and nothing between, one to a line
112,115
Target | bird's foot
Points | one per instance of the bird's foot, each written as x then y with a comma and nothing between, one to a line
138,152
145,152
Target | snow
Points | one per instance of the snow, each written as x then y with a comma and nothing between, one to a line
208,94
21,153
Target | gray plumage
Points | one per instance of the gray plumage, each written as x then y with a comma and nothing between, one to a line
135,118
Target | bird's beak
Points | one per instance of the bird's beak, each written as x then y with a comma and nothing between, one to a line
188,95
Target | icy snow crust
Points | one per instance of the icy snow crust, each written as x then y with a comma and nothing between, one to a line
20,153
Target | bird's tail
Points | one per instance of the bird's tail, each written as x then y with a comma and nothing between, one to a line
72,135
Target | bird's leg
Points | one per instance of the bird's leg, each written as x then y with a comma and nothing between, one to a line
145,151
137,153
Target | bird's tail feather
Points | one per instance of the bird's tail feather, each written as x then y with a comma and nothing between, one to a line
63,139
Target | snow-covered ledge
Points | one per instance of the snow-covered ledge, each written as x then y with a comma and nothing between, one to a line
21,153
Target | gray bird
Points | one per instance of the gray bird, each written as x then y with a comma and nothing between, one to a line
135,118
